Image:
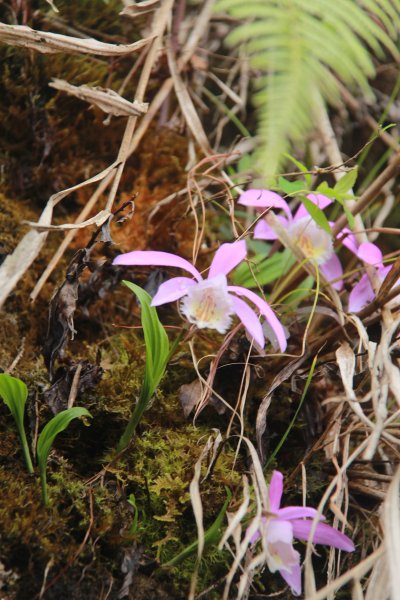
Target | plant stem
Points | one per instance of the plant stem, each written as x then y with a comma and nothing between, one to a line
25,449
43,484
133,422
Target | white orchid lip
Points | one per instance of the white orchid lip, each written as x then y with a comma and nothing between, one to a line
282,557
208,304
313,241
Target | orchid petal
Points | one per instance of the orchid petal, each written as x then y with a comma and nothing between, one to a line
324,534
348,239
227,257
156,259
265,310
297,512
263,231
279,531
332,269
318,199
361,295
249,319
264,199
172,290
293,579
369,253
275,491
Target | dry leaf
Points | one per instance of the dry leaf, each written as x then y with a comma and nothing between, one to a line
62,309
56,397
107,100
134,10
189,395
47,42
98,220
15,264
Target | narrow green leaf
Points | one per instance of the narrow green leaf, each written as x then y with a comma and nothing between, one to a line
134,527
47,436
263,270
303,168
293,421
317,215
346,182
14,393
157,355
211,536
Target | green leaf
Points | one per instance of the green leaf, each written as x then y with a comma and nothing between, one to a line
134,527
14,393
157,355
293,421
47,436
155,338
346,182
324,189
317,215
301,167
211,536
291,188
261,270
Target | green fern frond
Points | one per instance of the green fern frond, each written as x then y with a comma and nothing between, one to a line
301,49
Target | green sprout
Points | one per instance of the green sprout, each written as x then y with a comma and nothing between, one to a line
47,437
14,393
158,353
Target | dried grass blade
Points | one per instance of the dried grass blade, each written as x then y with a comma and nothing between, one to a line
187,106
195,498
47,42
17,263
391,524
107,100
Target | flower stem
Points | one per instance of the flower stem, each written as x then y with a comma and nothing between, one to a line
25,449
43,484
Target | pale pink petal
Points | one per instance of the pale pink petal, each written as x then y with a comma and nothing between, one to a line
369,253
264,199
227,257
262,231
332,269
156,259
361,295
249,320
383,271
275,491
324,534
297,512
293,579
172,290
318,199
348,239
265,310
279,531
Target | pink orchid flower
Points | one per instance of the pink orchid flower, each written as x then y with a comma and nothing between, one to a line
314,241
288,523
210,302
362,293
